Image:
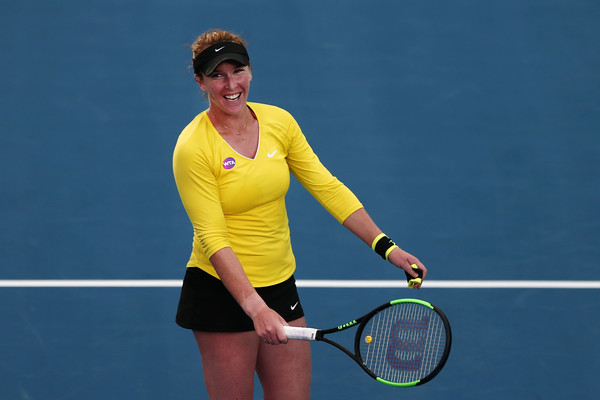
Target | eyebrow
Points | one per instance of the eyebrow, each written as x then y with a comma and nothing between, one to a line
236,67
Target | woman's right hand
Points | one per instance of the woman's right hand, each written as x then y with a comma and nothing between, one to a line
269,326
267,323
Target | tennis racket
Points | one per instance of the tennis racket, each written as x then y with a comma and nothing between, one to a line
403,343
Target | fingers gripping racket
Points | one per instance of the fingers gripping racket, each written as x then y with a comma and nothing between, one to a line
405,342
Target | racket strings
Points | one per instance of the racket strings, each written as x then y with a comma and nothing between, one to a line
405,342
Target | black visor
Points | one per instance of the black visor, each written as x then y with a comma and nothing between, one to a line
210,58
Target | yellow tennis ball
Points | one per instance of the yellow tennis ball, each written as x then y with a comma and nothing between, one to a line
368,339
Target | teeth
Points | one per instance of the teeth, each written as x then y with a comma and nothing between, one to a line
233,97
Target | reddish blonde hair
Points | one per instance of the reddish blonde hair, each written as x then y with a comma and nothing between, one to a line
213,36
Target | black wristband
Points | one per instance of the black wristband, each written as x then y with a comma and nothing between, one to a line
382,245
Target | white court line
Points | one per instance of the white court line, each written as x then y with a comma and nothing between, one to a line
313,283
456,284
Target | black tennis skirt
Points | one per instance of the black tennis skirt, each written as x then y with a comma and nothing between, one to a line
206,305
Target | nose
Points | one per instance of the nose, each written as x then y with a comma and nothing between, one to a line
230,82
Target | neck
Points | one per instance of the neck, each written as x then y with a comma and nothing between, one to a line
234,124
238,120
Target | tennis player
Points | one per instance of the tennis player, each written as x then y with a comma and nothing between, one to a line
232,167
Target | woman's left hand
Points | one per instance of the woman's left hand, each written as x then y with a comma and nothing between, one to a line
404,260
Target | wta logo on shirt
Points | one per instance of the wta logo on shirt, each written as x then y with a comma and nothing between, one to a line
229,163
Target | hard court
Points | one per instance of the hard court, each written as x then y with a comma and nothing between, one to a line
468,129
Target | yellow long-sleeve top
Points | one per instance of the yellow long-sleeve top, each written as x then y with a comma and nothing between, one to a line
239,202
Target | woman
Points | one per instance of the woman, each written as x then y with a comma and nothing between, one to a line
232,167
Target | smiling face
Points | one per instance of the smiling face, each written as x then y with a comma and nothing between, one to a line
227,88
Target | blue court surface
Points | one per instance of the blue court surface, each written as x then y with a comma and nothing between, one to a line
470,130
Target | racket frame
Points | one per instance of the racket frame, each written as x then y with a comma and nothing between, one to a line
319,335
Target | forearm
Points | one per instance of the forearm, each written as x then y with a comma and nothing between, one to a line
361,224
267,323
234,278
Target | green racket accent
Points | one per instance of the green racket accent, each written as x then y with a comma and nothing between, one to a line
424,303
347,325
396,384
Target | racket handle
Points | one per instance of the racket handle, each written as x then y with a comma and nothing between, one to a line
297,333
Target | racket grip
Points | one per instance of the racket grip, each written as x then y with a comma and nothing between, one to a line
297,333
